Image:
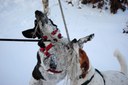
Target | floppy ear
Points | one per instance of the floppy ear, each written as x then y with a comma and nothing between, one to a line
28,33
84,59
84,62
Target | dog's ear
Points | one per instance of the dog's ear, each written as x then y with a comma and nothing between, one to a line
84,62
83,40
28,33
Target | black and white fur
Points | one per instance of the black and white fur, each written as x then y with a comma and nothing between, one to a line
95,77
46,72
41,77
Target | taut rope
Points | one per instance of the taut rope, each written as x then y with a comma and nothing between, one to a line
64,20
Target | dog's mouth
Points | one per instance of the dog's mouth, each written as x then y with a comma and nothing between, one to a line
52,68
53,71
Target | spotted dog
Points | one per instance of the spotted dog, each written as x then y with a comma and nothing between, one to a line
85,74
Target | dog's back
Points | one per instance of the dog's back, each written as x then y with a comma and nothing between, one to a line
115,78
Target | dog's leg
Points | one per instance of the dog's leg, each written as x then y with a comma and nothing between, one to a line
122,62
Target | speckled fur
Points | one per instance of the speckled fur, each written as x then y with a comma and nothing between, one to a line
110,77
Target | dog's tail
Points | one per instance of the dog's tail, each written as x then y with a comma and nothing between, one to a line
122,61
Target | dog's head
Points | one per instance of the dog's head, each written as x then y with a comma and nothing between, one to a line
37,30
40,16
79,55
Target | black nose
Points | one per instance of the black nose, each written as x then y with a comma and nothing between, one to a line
53,64
39,13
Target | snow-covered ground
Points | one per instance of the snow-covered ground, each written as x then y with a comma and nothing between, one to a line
17,59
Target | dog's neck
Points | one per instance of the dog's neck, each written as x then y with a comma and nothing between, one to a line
86,68
90,73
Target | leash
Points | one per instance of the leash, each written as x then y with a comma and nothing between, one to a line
100,75
88,81
64,20
22,40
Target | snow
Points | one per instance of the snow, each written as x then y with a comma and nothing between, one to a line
19,58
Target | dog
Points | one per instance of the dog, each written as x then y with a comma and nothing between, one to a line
51,70
51,58
85,74
37,30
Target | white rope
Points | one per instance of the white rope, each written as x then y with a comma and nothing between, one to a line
64,20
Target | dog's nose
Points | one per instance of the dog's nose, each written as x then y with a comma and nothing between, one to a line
53,64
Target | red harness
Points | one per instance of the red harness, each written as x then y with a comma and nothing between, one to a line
46,49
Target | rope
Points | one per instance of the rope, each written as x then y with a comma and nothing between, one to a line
22,40
64,20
